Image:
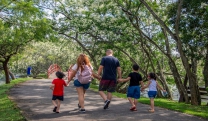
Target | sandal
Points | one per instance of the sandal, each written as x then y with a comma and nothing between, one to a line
132,108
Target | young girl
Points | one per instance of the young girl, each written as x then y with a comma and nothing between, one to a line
152,85
58,91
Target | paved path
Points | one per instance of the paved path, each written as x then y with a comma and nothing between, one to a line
34,99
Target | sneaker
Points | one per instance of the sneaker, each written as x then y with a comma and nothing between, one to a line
79,106
107,102
82,110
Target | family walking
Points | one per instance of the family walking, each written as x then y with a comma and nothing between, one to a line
109,68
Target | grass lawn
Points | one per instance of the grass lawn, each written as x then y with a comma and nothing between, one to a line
201,111
8,109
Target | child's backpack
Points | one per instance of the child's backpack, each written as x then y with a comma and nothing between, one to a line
85,76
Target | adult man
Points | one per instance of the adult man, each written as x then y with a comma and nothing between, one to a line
110,67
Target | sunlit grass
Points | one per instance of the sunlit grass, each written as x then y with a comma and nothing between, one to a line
8,109
201,111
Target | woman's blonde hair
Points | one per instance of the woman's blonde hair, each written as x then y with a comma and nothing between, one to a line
83,60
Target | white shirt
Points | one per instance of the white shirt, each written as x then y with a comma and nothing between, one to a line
153,85
75,69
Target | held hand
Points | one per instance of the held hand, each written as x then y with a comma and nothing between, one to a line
142,89
99,77
67,84
119,80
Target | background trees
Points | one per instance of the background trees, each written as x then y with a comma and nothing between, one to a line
164,37
20,23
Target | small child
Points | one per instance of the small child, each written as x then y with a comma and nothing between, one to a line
152,84
58,91
134,86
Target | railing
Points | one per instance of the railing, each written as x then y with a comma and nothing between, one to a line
53,68
203,93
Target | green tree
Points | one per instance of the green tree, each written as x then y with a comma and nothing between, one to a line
21,22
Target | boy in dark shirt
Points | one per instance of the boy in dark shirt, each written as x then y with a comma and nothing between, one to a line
134,86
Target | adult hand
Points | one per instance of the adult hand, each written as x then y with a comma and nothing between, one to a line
119,80
67,84
99,77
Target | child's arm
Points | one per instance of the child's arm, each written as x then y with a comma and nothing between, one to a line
66,84
52,87
160,87
124,80
147,85
141,83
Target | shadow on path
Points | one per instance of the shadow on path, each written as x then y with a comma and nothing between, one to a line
34,99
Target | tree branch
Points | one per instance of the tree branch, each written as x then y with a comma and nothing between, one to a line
159,20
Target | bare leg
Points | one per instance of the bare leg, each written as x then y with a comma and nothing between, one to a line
152,104
84,93
81,92
58,105
131,101
135,102
54,103
103,95
109,96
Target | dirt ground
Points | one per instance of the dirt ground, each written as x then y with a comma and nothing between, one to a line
34,99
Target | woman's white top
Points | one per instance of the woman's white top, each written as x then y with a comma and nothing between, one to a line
153,85
75,69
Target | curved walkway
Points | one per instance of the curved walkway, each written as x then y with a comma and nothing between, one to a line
34,99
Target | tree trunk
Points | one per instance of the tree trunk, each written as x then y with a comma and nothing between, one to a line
164,81
205,71
182,90
11,75
193,84
195,94
191,76
6,71
171,62
182,98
